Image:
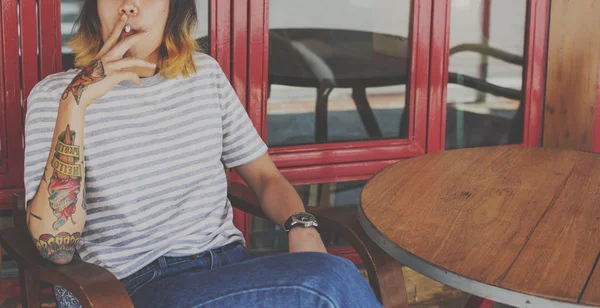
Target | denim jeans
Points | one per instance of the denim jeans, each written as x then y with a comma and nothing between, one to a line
231,276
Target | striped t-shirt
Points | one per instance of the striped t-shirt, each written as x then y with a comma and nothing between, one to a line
154,164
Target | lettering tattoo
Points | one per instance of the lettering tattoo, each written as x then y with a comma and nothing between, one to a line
65,183
88,75
57,248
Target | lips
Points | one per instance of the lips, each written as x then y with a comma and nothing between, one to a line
125,34
128,30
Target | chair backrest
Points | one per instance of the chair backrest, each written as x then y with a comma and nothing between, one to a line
19,212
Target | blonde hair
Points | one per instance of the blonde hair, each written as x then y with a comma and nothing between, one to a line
175,52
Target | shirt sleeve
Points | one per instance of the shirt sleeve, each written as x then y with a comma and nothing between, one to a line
39,128
241,142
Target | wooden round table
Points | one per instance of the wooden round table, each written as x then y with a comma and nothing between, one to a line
515,225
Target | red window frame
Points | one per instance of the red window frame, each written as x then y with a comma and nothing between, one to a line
334,162
536,36
349,161
342,152
19,73
11,154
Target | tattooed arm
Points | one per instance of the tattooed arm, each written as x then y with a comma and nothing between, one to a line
56,215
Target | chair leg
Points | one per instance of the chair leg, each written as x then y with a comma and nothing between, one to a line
321,129
403,131
367,116
4,285
478,302
30,288
390,280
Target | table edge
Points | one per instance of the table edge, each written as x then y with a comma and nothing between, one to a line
432,271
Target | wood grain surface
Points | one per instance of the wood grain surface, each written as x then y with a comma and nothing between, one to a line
572,74
591,295
523,219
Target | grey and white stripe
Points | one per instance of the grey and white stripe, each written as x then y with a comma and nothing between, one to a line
154,159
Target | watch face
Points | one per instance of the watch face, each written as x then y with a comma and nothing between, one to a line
300,219
304,217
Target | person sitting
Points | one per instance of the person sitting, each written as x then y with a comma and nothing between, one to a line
125,163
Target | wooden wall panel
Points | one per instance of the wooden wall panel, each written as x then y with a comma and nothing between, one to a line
572,75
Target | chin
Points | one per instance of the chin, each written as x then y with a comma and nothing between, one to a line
136,53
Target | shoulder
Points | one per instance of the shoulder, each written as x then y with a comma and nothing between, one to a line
204,61
208,70
207,66
52,85
46,93
57,80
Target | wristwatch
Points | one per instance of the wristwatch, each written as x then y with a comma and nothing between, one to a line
301,219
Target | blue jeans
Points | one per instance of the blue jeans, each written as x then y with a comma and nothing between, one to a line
232,276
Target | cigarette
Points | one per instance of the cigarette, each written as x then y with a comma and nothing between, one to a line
127,28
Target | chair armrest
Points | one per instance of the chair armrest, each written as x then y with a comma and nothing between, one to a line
489,51
92,285
244,199
19,212
484,86
384,272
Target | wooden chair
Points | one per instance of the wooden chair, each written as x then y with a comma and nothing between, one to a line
94,286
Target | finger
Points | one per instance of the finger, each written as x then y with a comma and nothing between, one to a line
128,63
131,77
113,37
115,79
123,45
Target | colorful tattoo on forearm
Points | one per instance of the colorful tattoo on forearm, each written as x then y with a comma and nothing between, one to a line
65,182
58,248
88,75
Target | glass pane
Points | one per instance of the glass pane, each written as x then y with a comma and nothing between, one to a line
202,28
338,71
267,237
70,9
485,78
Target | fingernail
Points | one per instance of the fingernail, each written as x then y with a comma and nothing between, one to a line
123,17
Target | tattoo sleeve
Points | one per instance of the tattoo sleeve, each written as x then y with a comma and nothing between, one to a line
65,183
57,248
55,219
88,75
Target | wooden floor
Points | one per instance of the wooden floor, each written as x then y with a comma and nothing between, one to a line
424,292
